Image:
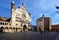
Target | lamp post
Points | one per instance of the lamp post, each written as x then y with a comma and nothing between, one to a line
57,7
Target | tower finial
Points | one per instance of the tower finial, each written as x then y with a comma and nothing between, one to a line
13,1
43,15
22,2
12,4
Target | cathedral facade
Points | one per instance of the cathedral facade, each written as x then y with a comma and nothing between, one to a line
19,21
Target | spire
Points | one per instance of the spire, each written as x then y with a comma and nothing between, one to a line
22,2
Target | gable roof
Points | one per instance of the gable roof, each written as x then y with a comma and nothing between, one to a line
4,19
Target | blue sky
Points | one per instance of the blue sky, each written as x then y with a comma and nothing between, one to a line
35,7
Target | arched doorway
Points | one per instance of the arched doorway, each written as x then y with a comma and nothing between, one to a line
1,29
24,28
6,29
10,29
14,29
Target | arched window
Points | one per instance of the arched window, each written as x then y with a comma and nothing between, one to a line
0,23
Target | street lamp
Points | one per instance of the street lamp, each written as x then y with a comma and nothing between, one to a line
57,7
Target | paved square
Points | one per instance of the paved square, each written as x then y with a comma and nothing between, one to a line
29,36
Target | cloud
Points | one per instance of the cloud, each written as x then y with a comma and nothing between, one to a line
46,7
55,19
35,7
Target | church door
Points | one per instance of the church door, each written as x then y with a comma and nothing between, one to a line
24,28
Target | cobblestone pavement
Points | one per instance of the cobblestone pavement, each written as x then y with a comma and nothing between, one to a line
29,36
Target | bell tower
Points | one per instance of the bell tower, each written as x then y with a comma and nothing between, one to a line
13,14
12,6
